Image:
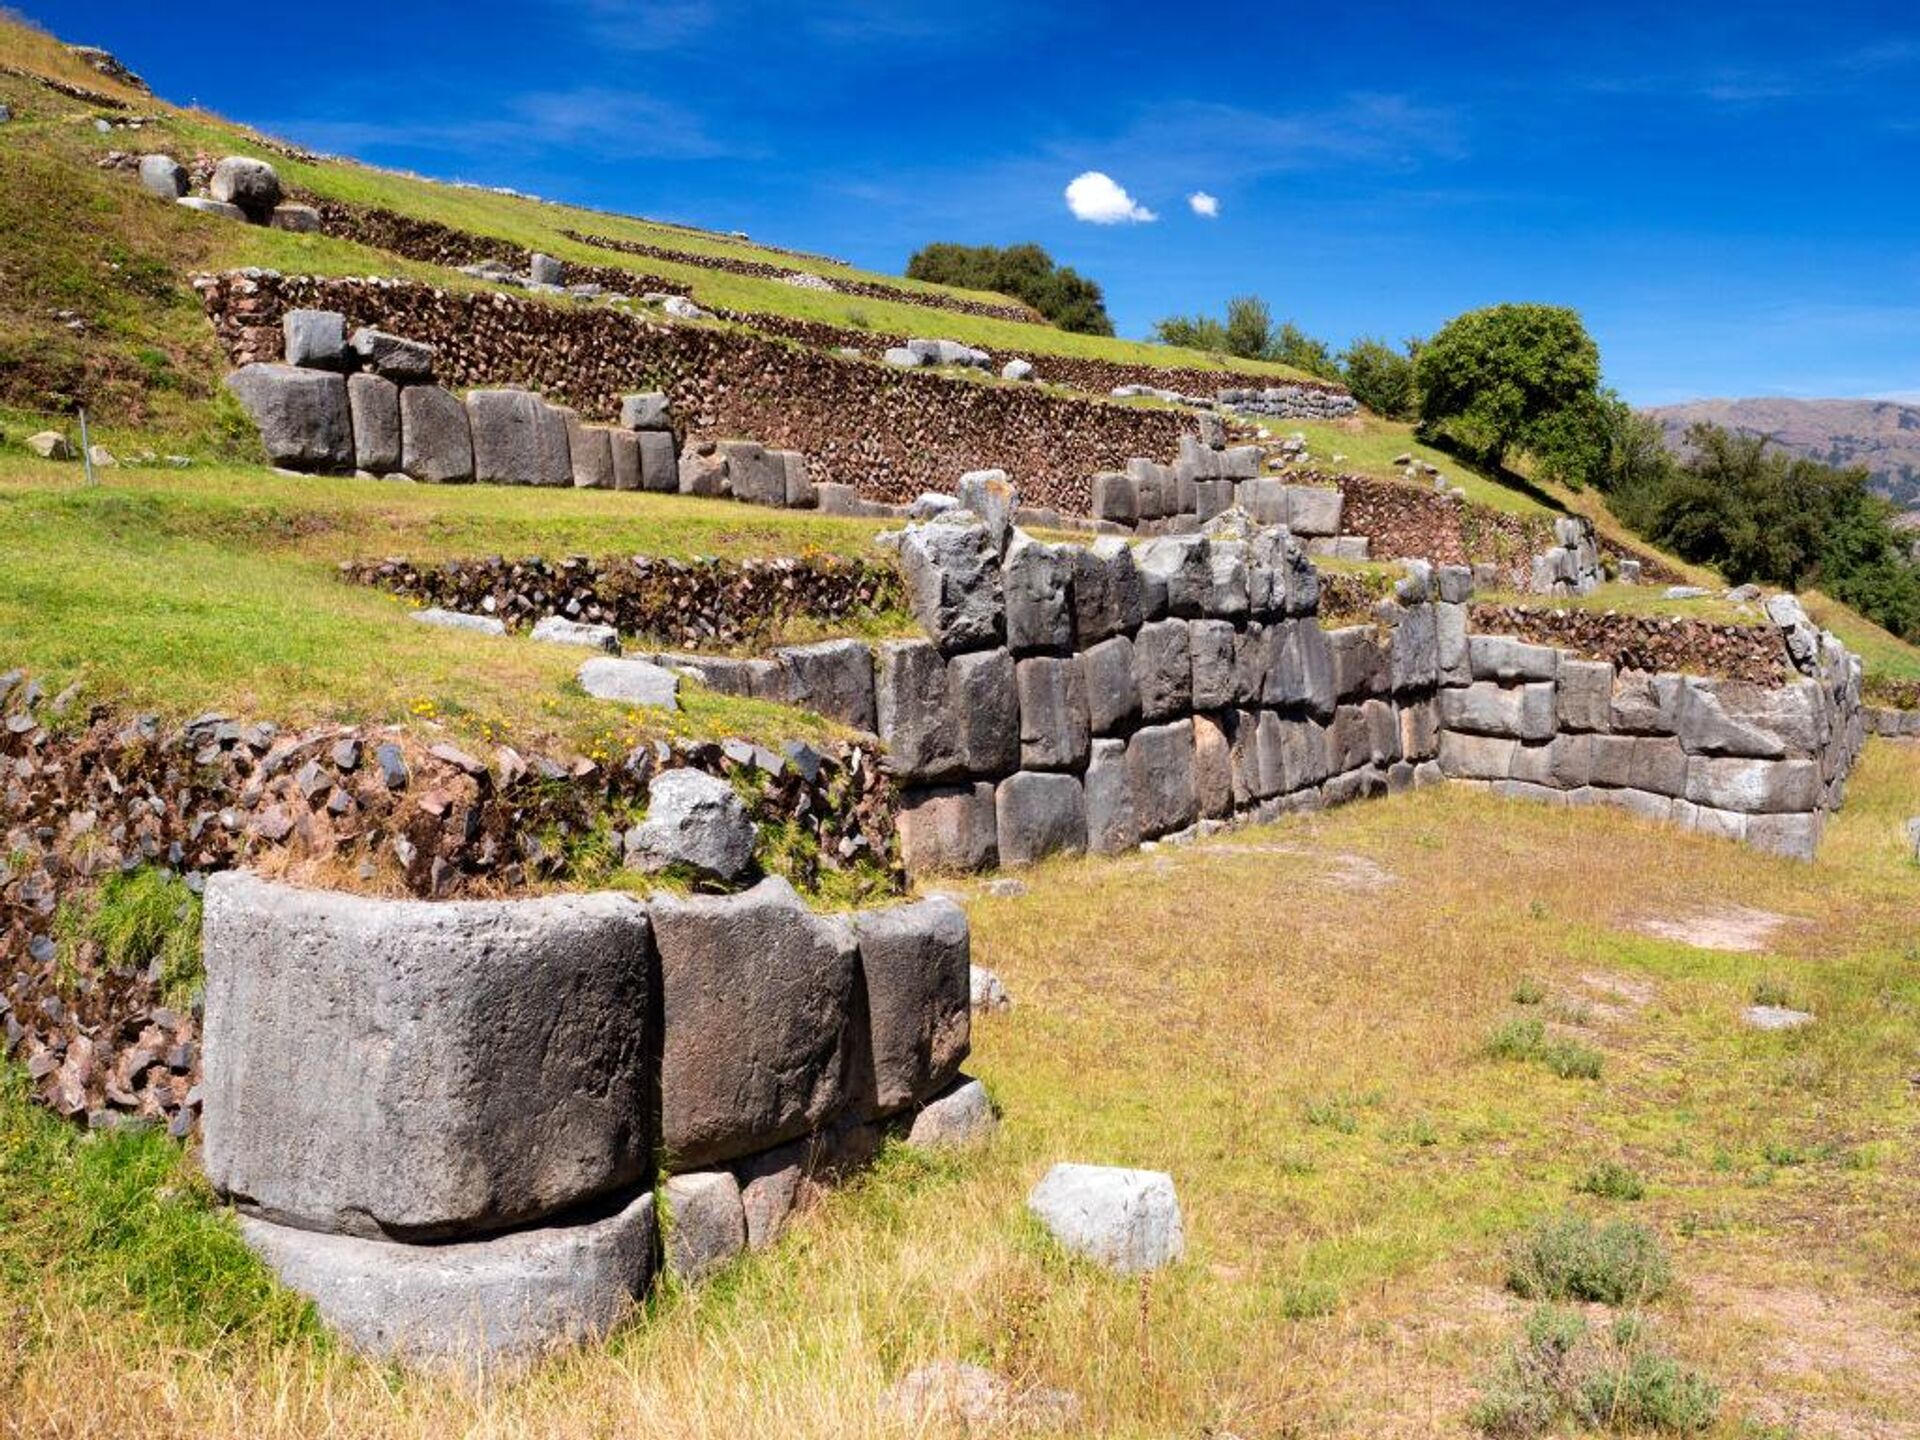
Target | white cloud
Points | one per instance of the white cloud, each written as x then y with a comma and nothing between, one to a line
1099,200
1206,206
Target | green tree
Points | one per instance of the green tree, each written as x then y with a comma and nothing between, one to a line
1192,332
1381,377
1511,378
1291,345
1249,329
1026,272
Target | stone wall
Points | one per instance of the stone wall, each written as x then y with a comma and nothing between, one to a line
893,434
445,1123
1754,653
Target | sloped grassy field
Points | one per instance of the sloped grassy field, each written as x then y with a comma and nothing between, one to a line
1312,1026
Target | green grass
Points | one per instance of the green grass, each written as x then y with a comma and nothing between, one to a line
1568,1257
139,920
1647,600
217,588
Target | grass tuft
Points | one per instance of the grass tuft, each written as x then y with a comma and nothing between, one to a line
1610,1180
1568,1257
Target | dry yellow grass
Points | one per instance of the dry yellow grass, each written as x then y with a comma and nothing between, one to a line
1292,1020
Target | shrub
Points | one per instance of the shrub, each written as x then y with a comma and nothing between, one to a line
1650,1391
1514,377
1568,1257
1610,1180
1772,992
1559,1370
1516,1039
1571,1060
1381,378
1026,272
1529,992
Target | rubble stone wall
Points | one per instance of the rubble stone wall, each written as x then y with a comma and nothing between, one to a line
893,434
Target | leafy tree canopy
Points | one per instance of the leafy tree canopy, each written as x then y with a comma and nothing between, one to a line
1026,272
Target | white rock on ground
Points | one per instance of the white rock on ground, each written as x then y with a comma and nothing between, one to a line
1126,1220
950,1392
1776,1017
631,682
558,630
960,1117
986,990
695,820
455,620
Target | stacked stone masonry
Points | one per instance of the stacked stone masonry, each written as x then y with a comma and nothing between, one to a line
475,1181
893,434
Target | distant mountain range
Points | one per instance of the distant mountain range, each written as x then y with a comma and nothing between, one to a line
1879,434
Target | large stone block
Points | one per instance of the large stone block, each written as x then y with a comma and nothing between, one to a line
1250,658
1645,704
435,444
1210,646
1419,729
165,178
1160,775
1653,764
1229,591
1476,757
659,462
1113,695
1314,510
648,411
1450,643
1738,718
949,829
1299,667
553,445
1359,666
590,450
302,415
1053,713
1116,497
916,963
695,821
505,427
1584,697
315,339
758,476
802,494
833,678
756,995
626,460
1036,580
1293,754
1510,661
1753,786
1106,590
1040,815
1176,575
944,719
1795,836
415,1070
952,572
253,186
475,1306
1518,712
709,1224
375,406
1212,768
1413,653
984,709
1163,669
1112,827
1126,1220
990,495
1349,744
407,362
1383,731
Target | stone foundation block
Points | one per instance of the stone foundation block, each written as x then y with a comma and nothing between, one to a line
1212,769
1105,590
1054,727
1466,756
708,1226
1040,815
1039,614
1583,697
1113,695
302,415
915,960
833,678
949,829
435,444
1163,669
505,426
1509,661
1753,787
1519,712
1160,775
374,403
1112,826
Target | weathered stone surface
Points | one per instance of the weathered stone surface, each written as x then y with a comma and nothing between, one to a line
302,415
1126,1220
631,682
483,1068
1040,815
374,404
833,678
801,492
435,443
1653,764
1176,575
1210,647
703,471
1035,580
474,1306
1584,697
315,339
952,572
1299,666
1795,836
916,963
694,821
1105,590
251,185
1160,776
1736,717
911,705
558,630
659,462
708,1226
1163,669
406,362
546,270
217,208
626,460
1116,497
990,495
505,430
1112,827
590,449
1510,661
1413,654
1313,510
166,177
1053,713
1349,746
756,994
957,1119
1113,696
297,219
949,829
773,1185
1359,667
1645,704
757,475
1518,712
454,620
1753,787
1212,769
553,442
1476,757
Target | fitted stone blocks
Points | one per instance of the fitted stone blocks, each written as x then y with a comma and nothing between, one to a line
1040,815
915,962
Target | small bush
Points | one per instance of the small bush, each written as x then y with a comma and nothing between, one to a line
1650,1392
1332,1114
1611,1180
1529,992
1560,1370
1571,1060
1570,1258
1773,992
1309,1300
1516,1039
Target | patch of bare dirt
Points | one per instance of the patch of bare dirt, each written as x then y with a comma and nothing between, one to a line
1738,928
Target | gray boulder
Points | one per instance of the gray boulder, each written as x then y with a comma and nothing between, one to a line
696,822
990,495
553,445
253,186
1210,647
949,829
1163,669
1113,695
484,1065
952,571
217,208
164,176
455,620
708,1227
435,444
1116,497
1017,370
985,990
1112,826
1053,713
659,462
315,339
1314,510
590,451
303,416
627,468
558,630
1126,1220
406,362
296,219
756,994
631,682
1035,579
546,270
1040,815
959,1119
1510,661
1105,590
1519,712
1299,671
915,961
1176,575
505,430
476,1306
650,411
1160,777
756,475
1583,698
374,404
833,678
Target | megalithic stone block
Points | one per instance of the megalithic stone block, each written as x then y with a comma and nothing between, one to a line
302,415
435,443
414,1070
916,962
375,404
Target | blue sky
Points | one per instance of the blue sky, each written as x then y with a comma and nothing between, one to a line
1729,193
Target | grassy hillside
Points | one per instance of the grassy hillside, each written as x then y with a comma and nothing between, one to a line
1359,1139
